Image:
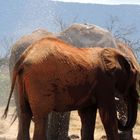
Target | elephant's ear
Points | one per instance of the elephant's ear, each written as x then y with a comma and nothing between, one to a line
108,61
114,61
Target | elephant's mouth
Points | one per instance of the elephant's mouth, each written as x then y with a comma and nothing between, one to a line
122,110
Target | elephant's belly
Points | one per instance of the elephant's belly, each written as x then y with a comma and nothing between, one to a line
70,107
73,98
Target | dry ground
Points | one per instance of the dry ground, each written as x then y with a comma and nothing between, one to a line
9,133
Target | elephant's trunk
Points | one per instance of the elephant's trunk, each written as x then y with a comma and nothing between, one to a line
132,107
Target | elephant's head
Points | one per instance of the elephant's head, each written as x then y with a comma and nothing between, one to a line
124,69
132,94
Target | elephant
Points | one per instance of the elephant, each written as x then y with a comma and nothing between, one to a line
87,35
53,75
80,35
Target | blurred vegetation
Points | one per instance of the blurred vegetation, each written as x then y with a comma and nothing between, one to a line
4,84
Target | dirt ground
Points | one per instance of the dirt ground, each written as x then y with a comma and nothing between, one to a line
9,133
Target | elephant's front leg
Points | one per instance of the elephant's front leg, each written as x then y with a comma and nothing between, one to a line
88,116
108,116
40,128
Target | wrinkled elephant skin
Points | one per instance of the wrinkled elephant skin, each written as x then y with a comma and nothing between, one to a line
55,76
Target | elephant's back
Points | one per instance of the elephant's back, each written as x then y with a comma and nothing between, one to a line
53,54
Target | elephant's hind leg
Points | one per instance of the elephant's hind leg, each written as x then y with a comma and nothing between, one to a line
40,128
41,98
25,114
41,106
88,116
24,125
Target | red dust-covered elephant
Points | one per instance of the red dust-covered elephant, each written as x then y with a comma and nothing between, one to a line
55,76
80,35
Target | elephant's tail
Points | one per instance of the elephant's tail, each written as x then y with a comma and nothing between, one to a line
17,69
11,91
